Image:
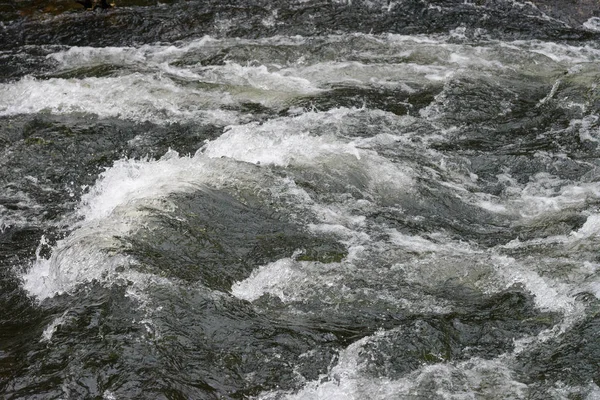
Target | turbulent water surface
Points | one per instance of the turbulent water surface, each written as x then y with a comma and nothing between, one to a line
299,200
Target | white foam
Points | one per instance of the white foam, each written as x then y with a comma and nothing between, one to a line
279,278
154,96
108,395
365,266
136,96
80,258
272,144
145,90
131,180
143,56
438,258
546,193
591,391
289,141
354,73
492,206
322,144
549,294
590,228
587,127
117,205
338,285
558,52
434,50
422,245
592,24
286,81
53,327
349,379
113,208
550,95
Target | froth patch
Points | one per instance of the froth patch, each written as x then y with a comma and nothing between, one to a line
113,208
314,141
75,260
593,24
277,278
131,180
277,146
136,97
560,52
546,193
283,80
119,203
549,294
147,54
350,379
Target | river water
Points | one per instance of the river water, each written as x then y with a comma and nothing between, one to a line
300,200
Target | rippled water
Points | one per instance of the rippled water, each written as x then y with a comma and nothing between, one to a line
309,200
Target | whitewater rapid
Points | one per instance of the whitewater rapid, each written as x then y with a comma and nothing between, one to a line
365,206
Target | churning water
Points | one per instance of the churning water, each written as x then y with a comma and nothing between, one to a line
306,200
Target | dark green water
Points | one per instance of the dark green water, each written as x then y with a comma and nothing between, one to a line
305,200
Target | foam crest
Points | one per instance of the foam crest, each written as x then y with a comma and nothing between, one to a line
289,141
592,24
258,144
149,54
278,279
337,287
87,56
545,193
53,327
136,96
114,207
559,52
80,258
282,80
131,180
354,73
118,204
351,281
149,93
420,244
350,379
549,294
591,228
